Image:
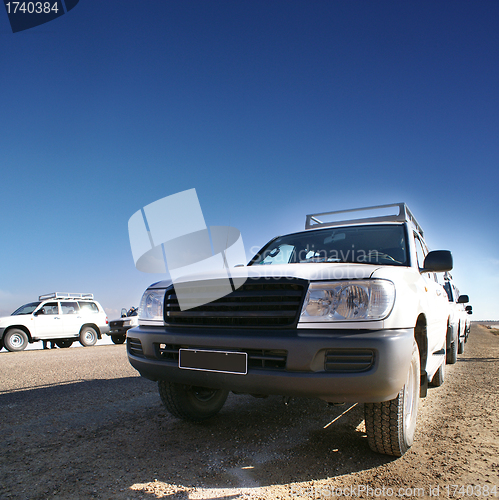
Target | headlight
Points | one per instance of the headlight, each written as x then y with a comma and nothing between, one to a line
368,300
151,305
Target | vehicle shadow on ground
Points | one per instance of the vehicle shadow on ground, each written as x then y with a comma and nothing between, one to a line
259,442
118,427
37,406
477,360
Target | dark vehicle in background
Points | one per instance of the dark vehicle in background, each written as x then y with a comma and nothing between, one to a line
119,327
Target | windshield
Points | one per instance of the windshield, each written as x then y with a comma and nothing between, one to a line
26,308
373,244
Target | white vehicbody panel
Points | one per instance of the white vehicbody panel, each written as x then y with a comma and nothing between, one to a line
50,326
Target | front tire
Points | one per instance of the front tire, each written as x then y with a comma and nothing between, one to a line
191,403
88,336
118,339
452,353
453,337
15,340
460,349
391,425
63,344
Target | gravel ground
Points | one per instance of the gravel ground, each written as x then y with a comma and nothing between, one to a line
81,423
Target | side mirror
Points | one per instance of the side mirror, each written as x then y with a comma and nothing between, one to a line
463,299
438,261
123,313
469,309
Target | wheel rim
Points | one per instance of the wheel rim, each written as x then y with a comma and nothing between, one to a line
409,399
89,336
16,340
203,394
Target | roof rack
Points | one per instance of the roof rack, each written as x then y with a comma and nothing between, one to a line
64,295
404,215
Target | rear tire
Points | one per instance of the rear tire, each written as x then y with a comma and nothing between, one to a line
88,336
391,425
191,403
15,340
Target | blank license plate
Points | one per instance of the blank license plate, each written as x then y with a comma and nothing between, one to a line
213,361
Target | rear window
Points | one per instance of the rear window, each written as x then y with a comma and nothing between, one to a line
88,307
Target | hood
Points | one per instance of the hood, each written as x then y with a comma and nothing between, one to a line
309,272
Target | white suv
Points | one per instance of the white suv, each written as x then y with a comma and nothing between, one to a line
345,311
58,317
458,328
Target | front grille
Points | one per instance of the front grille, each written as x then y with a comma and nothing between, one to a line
348,360
116,324
258,303
267,359
134,347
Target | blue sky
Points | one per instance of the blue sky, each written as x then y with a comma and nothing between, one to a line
270,109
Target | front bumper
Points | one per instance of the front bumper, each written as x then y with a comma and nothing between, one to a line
327,364
119,330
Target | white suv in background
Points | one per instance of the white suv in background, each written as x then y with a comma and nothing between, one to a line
59,317
458,328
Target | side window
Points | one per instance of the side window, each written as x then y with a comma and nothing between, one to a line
88,307
448,289
50,308
420,251
69,307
